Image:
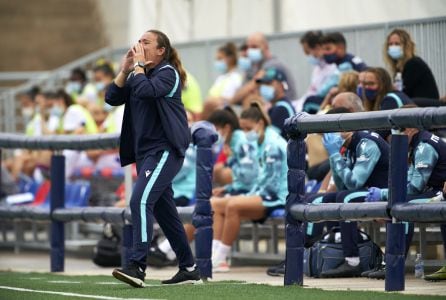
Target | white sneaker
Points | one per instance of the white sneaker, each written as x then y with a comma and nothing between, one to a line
220,267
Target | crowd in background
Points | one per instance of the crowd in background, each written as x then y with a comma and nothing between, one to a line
248,103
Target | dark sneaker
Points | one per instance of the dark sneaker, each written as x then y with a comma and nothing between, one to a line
343,270
158,259
367,273
378,274
437,276
184,276
278,270
132,275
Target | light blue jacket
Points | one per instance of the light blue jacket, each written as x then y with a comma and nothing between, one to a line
271,183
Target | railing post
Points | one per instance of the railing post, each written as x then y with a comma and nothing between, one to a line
57,196
294,233
395,243
204,136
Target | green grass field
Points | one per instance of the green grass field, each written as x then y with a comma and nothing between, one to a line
46,286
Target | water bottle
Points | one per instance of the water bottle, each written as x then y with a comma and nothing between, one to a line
398,83
419,266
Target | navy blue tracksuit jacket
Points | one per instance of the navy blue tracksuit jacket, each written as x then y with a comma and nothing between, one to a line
155,135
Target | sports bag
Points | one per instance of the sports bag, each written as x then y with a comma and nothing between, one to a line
327,253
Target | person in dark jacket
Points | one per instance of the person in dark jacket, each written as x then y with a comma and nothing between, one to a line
155,135
417,77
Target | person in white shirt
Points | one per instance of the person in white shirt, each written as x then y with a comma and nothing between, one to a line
228,81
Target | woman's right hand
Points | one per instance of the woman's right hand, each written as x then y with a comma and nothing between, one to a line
127,62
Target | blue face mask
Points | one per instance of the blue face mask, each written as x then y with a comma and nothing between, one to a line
395,52
255,54
330,58
359,91
244,63
313,60
220,66
267,92
252,136
370,94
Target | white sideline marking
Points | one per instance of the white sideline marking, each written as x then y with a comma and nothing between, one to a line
63,281
70,294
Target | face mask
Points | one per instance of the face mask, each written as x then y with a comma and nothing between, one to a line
255,54
220,66
330,58
56,111
244,63
370,94
313,60
107,107
267,92
100,86
27,112
395,52
252,136
73,87
359,91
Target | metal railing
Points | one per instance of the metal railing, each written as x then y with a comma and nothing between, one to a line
396,209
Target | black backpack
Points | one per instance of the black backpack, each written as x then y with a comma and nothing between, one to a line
107,252
327,254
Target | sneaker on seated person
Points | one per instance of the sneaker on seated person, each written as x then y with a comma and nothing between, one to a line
277,270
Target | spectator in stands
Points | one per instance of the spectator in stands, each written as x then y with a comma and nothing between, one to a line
191,97
417,77
228,81
426,176
75,119
28,104
79,87
269,191
240,156
334,48
244,64
272,88
322,74
348,82
155,134
103,75
379,93
261,58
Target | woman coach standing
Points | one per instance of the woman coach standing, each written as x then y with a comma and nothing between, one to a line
155,135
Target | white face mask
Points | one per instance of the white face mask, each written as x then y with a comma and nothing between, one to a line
27,112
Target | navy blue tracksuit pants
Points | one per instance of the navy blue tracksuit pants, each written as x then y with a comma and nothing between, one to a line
152,198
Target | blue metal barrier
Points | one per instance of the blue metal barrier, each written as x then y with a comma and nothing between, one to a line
204,136
395,254
294,233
